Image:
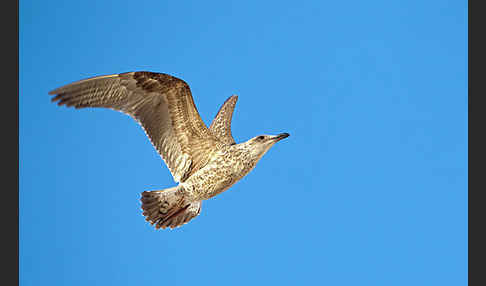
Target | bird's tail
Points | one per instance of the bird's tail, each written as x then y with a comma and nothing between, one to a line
168,208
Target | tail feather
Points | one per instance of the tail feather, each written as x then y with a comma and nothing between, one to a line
168,208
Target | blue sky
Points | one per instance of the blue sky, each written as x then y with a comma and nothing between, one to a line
369,189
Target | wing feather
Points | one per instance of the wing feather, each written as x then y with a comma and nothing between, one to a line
160,103
221,125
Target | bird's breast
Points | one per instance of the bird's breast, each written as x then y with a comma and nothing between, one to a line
221,172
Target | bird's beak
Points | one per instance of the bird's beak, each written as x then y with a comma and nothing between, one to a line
281,136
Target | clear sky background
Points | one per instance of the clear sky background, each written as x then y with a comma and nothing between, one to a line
369,189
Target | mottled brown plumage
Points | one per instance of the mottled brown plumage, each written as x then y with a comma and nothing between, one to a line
204,161
221,125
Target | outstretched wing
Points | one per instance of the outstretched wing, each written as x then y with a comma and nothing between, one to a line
221,125
162,104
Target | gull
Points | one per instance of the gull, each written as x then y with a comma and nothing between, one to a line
203,161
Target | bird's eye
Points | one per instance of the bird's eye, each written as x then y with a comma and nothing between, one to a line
260,138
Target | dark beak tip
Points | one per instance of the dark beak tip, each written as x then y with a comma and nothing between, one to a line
283,135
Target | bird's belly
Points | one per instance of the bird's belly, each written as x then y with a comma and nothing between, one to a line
212,180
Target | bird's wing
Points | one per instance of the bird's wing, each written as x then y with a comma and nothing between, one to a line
162,104
221,125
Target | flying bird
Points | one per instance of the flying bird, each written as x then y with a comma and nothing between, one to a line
204,161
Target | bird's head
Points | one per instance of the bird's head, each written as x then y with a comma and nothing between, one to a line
259,145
